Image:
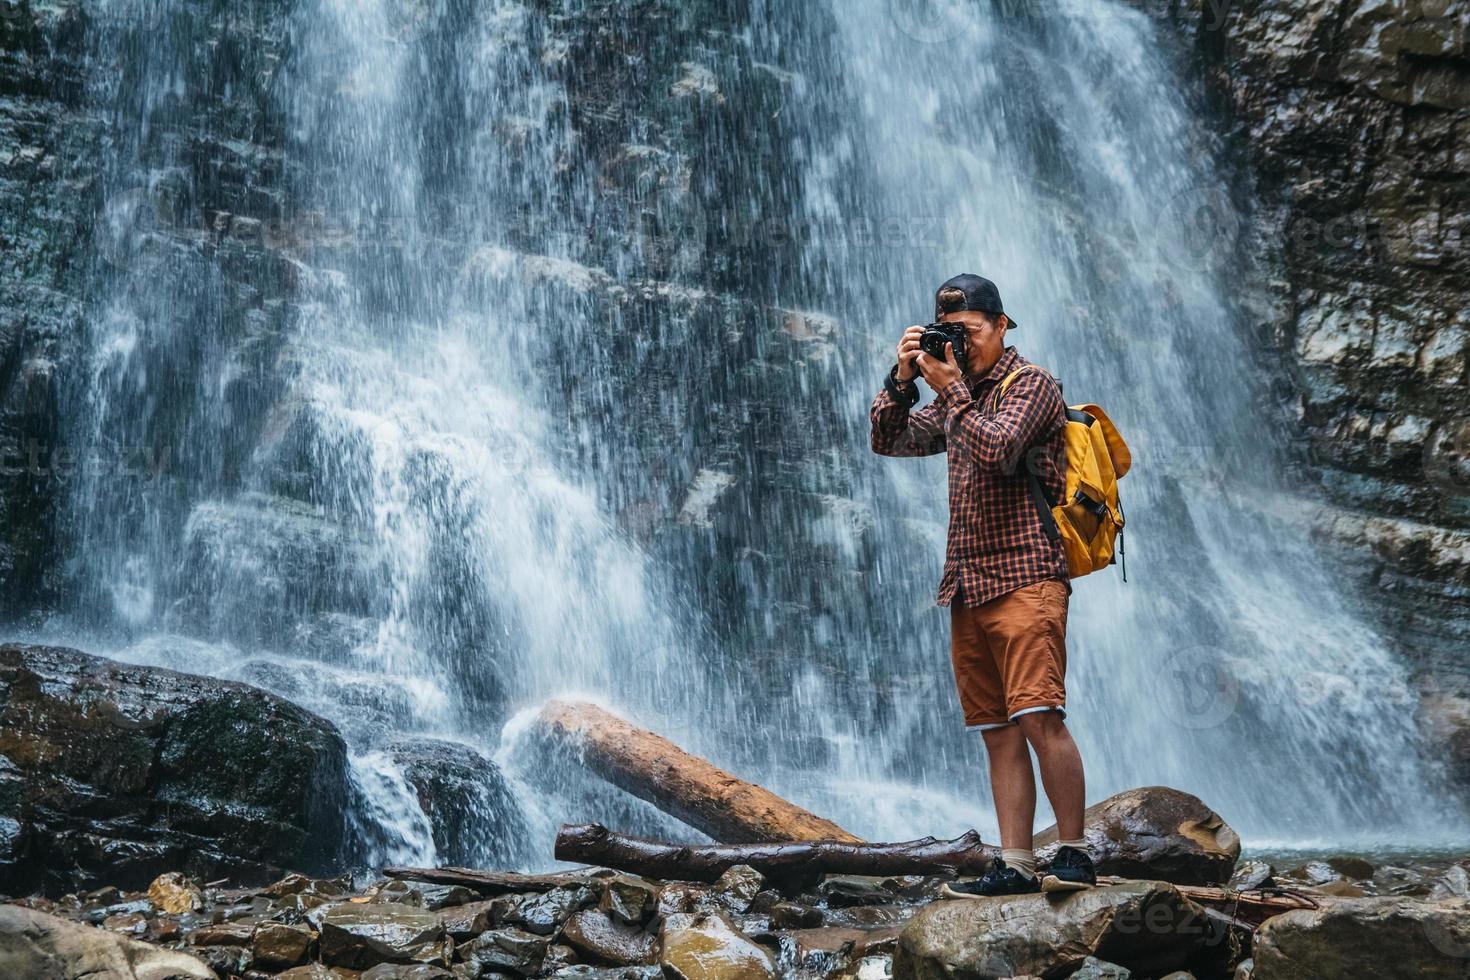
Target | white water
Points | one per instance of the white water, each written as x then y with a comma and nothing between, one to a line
427,520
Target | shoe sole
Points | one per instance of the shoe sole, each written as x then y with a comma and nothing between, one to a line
1051,885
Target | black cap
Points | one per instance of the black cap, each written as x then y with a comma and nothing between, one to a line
980,295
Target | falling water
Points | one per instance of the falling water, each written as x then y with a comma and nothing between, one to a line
515,386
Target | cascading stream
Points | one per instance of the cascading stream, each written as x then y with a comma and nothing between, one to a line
479,420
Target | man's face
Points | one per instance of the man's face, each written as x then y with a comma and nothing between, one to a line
985,337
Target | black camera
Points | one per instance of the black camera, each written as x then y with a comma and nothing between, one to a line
936,335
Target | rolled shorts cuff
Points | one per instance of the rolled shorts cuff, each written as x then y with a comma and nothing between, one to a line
987,726
1031,709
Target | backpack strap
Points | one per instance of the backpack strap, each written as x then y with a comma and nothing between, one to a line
1038,492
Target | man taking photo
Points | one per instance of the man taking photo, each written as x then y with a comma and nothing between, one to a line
1005,579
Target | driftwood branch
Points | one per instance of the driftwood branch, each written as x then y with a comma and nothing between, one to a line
685,786
486,882
595,844
1252,907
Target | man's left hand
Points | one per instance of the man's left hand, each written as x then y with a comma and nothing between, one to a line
938,374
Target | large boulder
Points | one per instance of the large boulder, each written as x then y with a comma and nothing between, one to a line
113,774
1157,833
1146,926
475,818
37,946
1372,937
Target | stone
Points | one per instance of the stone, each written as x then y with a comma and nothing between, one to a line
1093,968
706,946
1178,975
505,951
1454,883
37,946
683,896
630,900
467,921
278,946
604,939
435,897
397,971
869,968
311,971
544,914
739,885
793,915
128,772
842,891
1385,937
1155,833
360,936
176,894
1251,874
1144,926
131,923
471,810
222,934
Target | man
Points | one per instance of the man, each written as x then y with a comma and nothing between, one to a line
1005,580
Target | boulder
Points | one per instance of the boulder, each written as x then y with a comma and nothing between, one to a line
502,951
175,894
630,900
37,946
474,816
1144,926
1379,937
278,946
604,939
1095,969
544,914
706,946
121,772
1155,833
361,936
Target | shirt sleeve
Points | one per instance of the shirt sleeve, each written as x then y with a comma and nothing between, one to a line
1028,411
899,432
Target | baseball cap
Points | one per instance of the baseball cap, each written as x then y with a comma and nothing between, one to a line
980,295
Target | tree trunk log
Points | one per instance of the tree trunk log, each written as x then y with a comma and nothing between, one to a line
685,786
595,844
486,882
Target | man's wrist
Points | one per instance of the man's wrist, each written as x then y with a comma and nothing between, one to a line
905,392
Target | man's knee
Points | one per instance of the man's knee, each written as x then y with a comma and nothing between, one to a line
1002,740
1041,727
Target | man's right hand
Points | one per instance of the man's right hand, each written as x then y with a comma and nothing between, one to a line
908,350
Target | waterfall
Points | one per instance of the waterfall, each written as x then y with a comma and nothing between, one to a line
535,360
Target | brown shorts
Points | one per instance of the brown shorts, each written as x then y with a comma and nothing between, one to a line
1010,654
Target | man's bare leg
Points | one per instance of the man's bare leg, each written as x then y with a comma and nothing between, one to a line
1061,772
1012,785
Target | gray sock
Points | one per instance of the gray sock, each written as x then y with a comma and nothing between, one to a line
1079,843
1023,859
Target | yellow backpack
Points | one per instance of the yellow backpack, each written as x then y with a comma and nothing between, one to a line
1089,517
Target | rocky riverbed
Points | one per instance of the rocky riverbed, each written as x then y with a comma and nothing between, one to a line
1386,921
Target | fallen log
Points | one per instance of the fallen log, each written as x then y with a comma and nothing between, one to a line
595,844
683,785
486,882
1253,906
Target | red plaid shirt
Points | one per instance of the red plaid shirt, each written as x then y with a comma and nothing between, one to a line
996,540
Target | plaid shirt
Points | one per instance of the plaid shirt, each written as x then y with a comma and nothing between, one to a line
996,540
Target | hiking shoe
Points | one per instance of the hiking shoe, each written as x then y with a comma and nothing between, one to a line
1070,871
999,880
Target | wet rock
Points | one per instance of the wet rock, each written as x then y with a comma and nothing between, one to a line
222,934
610,972
739,885
1352,867
1093,968
1314,873
130,923
706,946
1178,975
505,951
467,921
311,971
681,896
1454,883
435,897
1155,833
603,939
559,955
544,914
1390,880
37,946
842,891
279,947
130,772
630,900
472,811
1251,874
360,936
869,968
792,915
174,893
227,961
397,971
1146,926
1368,937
